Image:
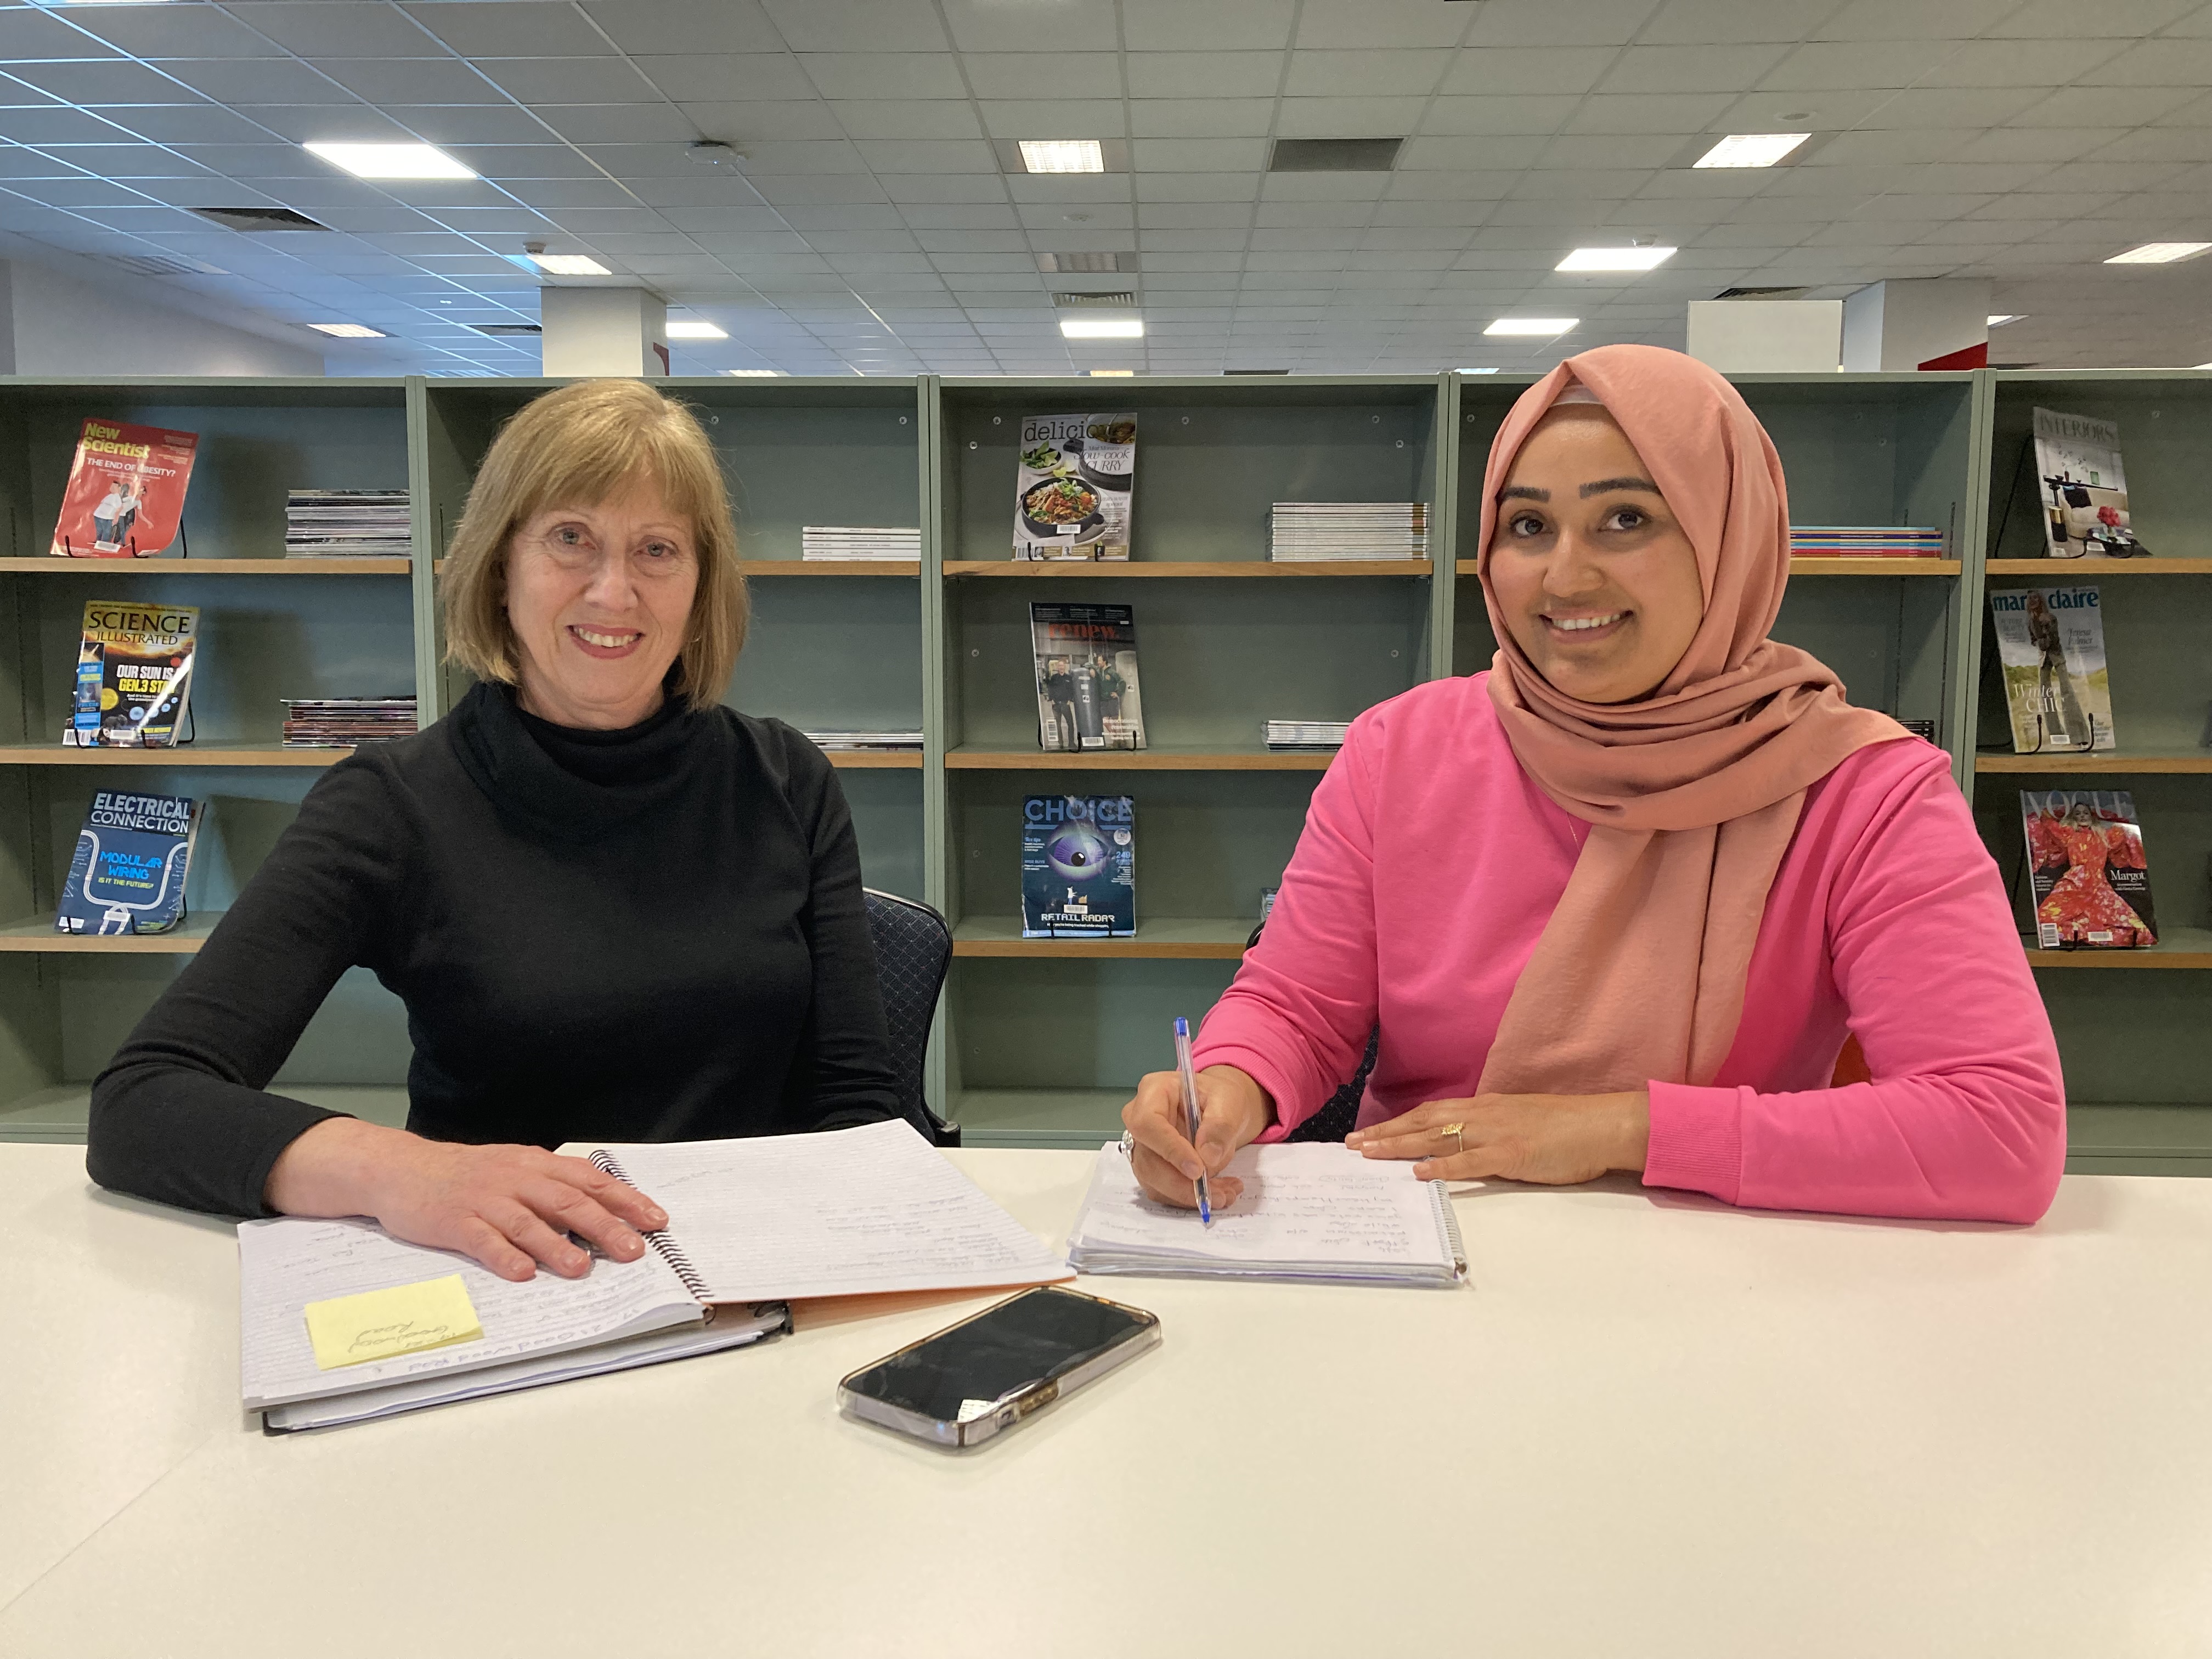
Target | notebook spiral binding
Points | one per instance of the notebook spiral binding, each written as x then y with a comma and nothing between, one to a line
1448,1221
670,1251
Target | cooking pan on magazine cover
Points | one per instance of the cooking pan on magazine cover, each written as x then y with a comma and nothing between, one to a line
1078,505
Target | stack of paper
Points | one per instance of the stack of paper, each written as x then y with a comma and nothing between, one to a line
336,524
1308,533
887,739
342,722
1865,541
867,541
1317,1210
1307,734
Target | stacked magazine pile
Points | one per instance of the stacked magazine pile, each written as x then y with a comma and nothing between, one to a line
347,524
1865,541
342,722
1307,734
1307,532
890,738
874,542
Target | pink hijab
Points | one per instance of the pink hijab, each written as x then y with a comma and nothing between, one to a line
1692,794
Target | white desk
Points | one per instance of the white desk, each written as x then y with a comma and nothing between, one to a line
1649,1427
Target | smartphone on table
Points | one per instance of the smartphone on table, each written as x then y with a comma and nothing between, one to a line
962,1386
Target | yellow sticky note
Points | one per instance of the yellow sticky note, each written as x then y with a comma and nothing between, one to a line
350,1330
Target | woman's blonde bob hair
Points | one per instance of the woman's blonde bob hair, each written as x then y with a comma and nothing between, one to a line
578,446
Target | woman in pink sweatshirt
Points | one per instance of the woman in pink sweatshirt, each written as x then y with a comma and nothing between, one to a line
1619,903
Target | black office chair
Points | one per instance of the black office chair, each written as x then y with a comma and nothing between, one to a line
1339,1114
914,949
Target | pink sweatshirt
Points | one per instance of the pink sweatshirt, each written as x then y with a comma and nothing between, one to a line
1431,862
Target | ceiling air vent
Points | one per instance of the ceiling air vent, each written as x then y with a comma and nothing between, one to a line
1069,265
156,264
1763,292
509,328
1255,371
259,218
1120,300
1333,155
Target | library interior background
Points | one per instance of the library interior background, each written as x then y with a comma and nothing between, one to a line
1181,326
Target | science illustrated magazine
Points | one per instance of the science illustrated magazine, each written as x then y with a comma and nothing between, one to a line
1072,484
1079,867
134,675
125,495
2086,870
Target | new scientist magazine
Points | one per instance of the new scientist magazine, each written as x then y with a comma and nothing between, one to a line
1079,867
125,495
134,674
2050,650
1072,484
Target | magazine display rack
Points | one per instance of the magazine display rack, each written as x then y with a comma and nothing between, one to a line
1041,1040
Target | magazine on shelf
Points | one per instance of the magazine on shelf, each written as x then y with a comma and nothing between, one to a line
1865,541
1079,867
326,524
1072,486
2050,650
1318,532
127,873
345,722
125,495
134,675
1085,659
2086,869
2083,487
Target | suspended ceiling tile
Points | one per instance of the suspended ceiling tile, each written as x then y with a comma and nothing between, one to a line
617,124
711,77
884,74
355,123
1200,118
1202,74
757,119
492,28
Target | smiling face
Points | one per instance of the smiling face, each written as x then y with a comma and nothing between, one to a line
599,598
1594,576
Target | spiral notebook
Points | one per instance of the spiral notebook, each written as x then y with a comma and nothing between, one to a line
1314,1211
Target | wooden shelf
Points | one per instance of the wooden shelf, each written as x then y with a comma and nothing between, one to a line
37,937
2177,947
1155,759
830,566
60,1114
2113,761
1204,570
1815,566
2072,567
1080,1120
2138,1139
875,760
191,754
1171,938
363,567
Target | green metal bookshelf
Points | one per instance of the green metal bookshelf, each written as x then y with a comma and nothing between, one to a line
1040,1041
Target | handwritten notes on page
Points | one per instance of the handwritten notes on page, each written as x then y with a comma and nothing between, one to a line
1316,1210
848,1213
285,1264
351,1330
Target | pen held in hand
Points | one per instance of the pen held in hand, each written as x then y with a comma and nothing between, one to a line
1190,1116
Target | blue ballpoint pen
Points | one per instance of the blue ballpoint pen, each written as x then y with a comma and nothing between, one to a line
1190,1116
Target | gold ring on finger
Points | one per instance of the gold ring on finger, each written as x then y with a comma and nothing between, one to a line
1458,1140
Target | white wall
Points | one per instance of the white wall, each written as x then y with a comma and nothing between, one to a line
1766,337
65,326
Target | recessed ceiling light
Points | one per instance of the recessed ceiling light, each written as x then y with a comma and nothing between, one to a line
1751,149
1102,328
390,160
2158,253
1999,322
695,328
1110,374
1615,258
1478,370
1532,325
349,331
568,265
754,374
1062,155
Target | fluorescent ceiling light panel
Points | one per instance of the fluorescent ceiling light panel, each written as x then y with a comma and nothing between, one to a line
1062,155
1751,149
1110,374
1478,370
695,328
568,265
754,374
1102,328
1531,325
1999,322
2158,253
349,331
1615,258
390,160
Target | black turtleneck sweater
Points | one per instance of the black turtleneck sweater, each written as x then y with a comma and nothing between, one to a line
648,935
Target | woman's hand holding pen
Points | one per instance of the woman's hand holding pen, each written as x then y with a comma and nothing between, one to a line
1233,1110
1555,1140
511,1207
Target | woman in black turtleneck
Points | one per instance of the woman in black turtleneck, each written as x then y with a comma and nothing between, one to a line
614,908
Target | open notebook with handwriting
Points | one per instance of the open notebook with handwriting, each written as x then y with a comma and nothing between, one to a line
1314,1211
753,1222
